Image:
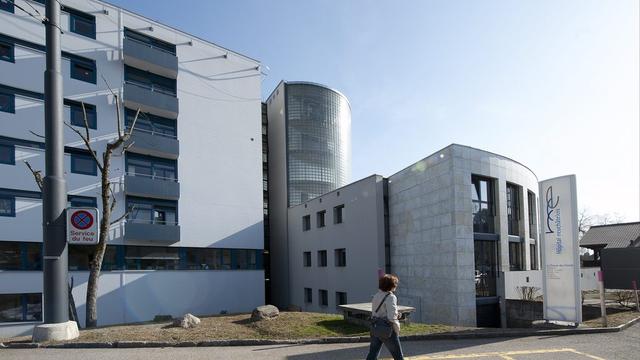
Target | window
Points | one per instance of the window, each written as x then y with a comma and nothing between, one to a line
6,5
7,206
483,207
306,223
80,258
486,267
83,163
20,307
7,154
308,295
7,52
226,259
7,102
322,258
149,41
513,209
341,298
533,256
341,257
337,214
320,218
151,258
149,81
306,259
153,167
323,295
515,256
82,201
152,124
77,114
83,70
153,211
20,256
533,225
81,23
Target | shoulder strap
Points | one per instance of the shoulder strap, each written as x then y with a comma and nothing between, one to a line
379,306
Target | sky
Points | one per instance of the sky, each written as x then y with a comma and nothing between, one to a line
551,84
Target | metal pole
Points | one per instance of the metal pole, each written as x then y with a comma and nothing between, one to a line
56,300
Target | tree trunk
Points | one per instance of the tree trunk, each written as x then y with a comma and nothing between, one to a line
96,264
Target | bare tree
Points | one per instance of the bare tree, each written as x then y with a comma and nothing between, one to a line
108,200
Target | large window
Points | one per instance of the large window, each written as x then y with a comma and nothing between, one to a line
337,214
322,258
306,259
7,101
515,256
7,154
83,163
513,209
83,70
20,307
340,257
320,218
151,124
7,51
533,254
150,81
308,295
77,114
7,205
341,298
81,23
533,225
80,258
152,258
152,167
20,256
152,211
306,223
323,296
483,204
486,267
149,41
6,5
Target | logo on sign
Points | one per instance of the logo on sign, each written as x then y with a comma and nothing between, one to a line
82,219
553,215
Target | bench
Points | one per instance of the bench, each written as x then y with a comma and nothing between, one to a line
360,313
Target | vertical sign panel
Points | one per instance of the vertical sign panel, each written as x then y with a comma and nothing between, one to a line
560,251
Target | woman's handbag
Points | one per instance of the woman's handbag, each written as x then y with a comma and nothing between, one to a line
381,328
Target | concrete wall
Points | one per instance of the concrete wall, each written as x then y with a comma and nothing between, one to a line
515,279
589,278
361,233
133,296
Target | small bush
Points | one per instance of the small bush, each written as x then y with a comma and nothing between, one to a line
529,293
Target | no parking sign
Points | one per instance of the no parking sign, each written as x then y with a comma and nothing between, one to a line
82,226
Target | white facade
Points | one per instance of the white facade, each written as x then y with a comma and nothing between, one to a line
218,165
360,233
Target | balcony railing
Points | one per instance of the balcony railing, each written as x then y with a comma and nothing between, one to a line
152,132
152,222
154,177
151,46
152,87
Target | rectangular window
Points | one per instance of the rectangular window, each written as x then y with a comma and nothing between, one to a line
83,70
82,163
513,209
6,5
149,81
152,167
337,214
486,267
483,204
7,102
7,205
20,307
7,52
10,256
533,256
226,259
322,258
320,218
323,295
341,298
7,154
341,257
77,114
306,259
80,258
308,295
151,258
152,211
149,41
515,256
151,124
82,201
306,223
81,23
533,224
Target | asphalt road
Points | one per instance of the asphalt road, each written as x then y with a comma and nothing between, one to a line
624,345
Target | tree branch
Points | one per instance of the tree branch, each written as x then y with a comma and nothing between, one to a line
37,174
124,216
36,134
87,144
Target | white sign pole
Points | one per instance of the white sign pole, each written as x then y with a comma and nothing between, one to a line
560,252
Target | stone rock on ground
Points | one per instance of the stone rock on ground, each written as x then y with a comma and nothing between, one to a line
187,321
265,312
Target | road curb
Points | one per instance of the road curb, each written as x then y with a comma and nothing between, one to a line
479,334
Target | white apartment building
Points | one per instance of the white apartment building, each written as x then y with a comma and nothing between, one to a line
194,240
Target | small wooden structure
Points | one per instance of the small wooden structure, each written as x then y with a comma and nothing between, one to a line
360,313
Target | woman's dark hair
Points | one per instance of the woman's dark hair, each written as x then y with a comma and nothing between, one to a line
387,282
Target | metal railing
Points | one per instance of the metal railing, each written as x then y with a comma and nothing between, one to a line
154,177
153,132
150,45
152,222
152,87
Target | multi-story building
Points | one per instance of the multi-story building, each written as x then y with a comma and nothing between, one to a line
309,128
459,228
190,179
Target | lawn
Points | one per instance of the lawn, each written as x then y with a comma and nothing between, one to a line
289,325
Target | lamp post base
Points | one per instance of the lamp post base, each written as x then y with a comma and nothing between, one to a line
55,332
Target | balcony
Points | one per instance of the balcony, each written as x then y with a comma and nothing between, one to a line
150,99
136,230
150,58
151,187
150,143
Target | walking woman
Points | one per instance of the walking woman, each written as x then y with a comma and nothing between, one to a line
385,306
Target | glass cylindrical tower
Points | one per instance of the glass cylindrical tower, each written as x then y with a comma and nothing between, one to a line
318,125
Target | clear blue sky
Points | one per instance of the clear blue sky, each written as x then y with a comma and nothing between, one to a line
552,84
